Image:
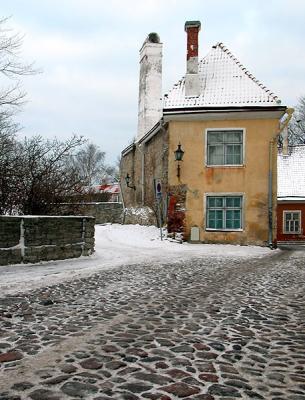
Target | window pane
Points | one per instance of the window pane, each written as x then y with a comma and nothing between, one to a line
229,214
215,219
215,155
237,224
215,137
224,212
211,202
233,137
230,202
237,202
233,202
224,147
237,219
288,216
233,220
219,219
233,154
236,214
229,224
292,222
211,220
215,202
219,201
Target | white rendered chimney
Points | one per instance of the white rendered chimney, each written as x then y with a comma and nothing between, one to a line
150,84
192,86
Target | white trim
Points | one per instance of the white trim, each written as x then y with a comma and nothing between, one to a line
224,194
183,115
290,199
225,165
284,222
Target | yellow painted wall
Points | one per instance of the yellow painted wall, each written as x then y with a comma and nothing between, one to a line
251,179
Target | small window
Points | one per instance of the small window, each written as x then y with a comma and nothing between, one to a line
292,222
225,147
224,212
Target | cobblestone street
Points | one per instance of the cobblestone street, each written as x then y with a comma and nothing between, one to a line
203,329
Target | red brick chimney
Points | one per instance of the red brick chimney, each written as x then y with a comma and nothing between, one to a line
192,87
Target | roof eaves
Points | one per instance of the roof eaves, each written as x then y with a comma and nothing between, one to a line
220,109
127,149
152,132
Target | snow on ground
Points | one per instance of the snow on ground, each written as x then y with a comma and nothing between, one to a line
116,245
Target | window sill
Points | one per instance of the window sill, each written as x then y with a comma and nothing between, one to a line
223,230
226,166
292,233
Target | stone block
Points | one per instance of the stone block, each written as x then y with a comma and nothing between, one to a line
46,238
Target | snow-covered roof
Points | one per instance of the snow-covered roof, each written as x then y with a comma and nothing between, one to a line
224,81
291,173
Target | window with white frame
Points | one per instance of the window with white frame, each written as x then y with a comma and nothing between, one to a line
292,222
224,212
225,147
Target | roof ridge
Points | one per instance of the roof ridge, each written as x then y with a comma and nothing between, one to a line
245,70
218,73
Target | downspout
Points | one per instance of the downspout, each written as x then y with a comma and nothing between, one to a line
270,197
123,203
142,148
282,126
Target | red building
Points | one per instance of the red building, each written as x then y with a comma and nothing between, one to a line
113,189
291,196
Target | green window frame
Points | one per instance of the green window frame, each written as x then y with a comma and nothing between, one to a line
292,221
225,147
224,212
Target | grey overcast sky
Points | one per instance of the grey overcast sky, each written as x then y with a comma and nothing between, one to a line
89,53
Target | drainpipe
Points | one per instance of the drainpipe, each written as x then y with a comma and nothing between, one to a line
142,148
123,203
282,126
270,197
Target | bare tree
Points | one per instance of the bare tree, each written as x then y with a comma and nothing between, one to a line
8,158
296,128
12,96
114,171
38,176
90,163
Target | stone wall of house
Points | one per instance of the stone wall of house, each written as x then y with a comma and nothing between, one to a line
30,239
103,213
154,156
131,165
156,166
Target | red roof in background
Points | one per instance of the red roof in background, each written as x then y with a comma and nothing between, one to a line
111,188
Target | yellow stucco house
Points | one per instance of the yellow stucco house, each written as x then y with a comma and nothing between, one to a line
227,124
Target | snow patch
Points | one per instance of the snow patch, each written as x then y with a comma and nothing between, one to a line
117,245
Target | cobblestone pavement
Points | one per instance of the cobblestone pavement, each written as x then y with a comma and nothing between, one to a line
203,330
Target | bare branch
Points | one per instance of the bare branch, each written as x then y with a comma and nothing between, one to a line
296,128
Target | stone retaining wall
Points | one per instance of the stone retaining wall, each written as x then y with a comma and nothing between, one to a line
30,239
103,213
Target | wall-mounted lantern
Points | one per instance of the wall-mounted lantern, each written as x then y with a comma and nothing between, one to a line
178,157
127,180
